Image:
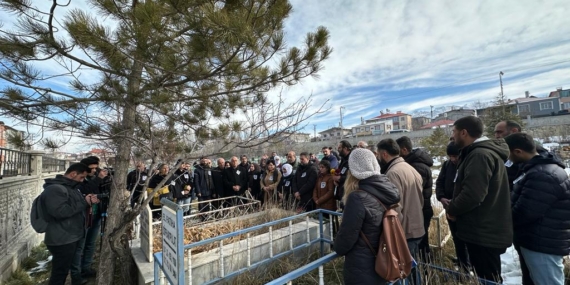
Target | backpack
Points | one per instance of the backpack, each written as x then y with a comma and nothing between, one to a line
393,258
37,217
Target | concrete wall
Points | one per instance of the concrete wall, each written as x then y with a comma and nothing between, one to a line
17,237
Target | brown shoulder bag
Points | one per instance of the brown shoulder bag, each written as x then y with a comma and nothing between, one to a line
393,258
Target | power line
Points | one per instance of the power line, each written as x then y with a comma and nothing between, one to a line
473,78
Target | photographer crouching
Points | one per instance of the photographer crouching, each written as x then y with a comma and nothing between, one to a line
98,182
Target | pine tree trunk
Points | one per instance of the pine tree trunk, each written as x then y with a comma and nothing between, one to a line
114,243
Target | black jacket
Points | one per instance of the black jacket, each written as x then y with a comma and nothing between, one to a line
245,168
254,181
481,197
304,182
541,207
286,185
364,213
136,180
182,178
66,209
201,181
343,171
422,163
157,178
234,176
444,183
516,169
218,177
91,185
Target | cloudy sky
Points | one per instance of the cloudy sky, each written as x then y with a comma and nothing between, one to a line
408,55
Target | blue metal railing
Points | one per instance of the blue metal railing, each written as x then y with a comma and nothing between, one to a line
295,274
305,269
158,257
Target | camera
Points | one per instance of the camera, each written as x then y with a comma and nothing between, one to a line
102,196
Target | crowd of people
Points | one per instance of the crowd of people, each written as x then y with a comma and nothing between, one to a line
495,192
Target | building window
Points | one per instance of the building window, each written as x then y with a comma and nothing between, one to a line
523,109
546,105
402,118
338,134
566,106
367,129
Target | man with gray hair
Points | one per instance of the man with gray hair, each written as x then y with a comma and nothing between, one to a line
362,144
235,180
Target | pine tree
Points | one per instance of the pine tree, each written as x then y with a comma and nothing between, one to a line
132,67
500,111
436,143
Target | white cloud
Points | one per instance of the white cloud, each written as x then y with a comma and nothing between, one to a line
402,55
403,45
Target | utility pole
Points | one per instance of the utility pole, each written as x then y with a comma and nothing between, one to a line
502,99
501,81
431,106
341,129
315,131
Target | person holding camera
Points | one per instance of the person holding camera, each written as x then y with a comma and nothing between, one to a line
67,213
91,185
165,191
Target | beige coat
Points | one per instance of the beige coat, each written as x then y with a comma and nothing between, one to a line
409,183
270,181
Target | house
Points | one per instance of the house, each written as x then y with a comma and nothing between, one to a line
296,137
563,96
334,133
5,133
372,129
418,122
440,124
535,106
400,121
529,106
455,114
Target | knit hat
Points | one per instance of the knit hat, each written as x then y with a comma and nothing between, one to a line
363,164
452,149
286,169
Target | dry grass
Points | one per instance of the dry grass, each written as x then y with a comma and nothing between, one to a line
332,271
206,231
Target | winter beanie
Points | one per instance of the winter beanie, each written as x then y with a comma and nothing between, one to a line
452,149
363,164
286,169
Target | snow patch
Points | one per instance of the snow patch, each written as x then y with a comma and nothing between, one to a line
42,266
510,267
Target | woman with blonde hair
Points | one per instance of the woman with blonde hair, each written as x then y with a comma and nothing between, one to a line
364,186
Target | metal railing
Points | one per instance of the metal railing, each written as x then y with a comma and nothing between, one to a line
52,164
285,233
14,163
439,274
203,212
215,210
